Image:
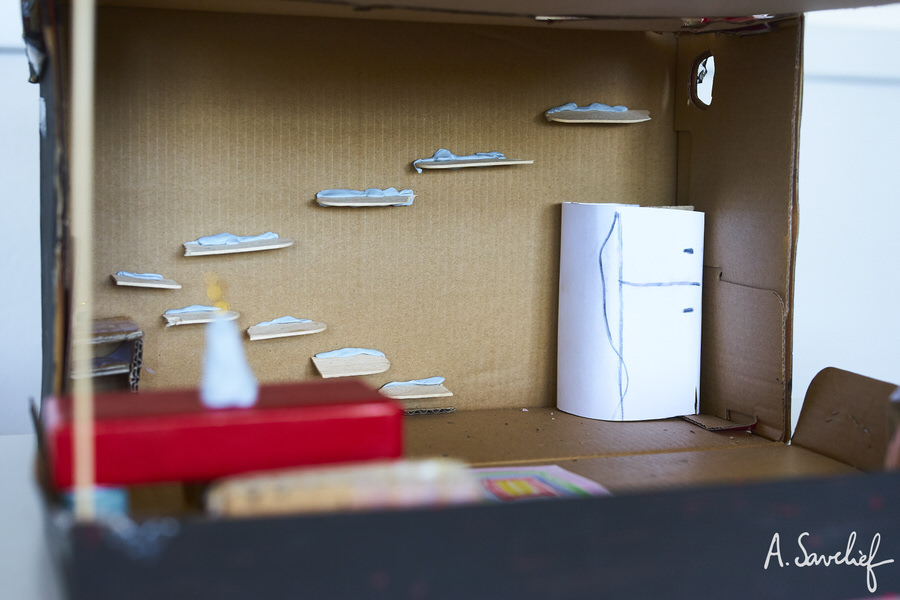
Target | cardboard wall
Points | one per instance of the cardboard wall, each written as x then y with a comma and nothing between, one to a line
212,122
223,122
737,163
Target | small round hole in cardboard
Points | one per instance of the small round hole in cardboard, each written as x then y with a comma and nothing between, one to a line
703,74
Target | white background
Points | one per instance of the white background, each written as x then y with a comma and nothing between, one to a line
847,297
20,238
848,264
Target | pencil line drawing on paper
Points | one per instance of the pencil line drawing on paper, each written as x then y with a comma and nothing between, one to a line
617,341
630,304
622,373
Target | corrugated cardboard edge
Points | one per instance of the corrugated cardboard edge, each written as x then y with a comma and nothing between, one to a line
409,412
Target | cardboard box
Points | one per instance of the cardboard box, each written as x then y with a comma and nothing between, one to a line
230,116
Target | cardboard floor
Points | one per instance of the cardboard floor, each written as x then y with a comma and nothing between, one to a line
624,457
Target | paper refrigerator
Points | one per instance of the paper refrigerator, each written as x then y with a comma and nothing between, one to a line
630,288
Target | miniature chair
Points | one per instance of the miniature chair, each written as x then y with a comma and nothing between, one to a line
845,417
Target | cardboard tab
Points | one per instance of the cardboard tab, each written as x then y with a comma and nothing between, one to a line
713,423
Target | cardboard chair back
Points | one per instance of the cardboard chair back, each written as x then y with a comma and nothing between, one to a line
844,417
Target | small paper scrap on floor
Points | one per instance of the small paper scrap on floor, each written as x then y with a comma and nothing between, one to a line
507,484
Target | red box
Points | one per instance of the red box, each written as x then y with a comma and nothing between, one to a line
161,436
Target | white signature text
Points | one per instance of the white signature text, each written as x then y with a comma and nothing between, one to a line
842,557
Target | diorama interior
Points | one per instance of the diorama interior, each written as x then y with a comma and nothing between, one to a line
216,117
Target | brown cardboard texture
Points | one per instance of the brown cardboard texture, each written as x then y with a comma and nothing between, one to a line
213,122
844,417
641,472
509,436
214,119
219,122
635,457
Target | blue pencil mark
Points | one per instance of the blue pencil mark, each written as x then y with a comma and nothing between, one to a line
622,390
617,340
623,379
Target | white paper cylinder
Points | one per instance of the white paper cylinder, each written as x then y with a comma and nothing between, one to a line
630,294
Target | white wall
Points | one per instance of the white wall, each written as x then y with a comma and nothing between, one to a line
20,270
847,302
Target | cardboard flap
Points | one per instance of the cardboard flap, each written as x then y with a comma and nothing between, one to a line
844,417
734,422
743,354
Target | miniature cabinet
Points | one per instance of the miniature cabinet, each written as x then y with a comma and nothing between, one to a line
118,345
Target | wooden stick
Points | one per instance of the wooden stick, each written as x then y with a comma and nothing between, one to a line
81,169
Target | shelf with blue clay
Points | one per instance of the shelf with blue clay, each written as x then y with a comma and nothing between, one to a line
596,113
431,387
284,327
370,197
196,314
145,280
444,159
228,243
420,396
350,362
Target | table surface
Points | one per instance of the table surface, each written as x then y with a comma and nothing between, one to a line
26,571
